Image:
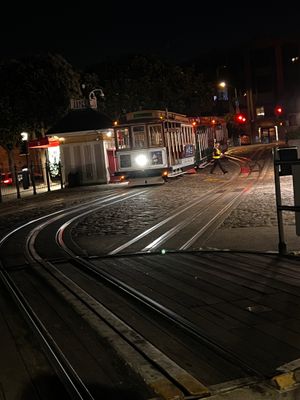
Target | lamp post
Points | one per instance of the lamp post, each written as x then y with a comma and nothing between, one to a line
93,97
24,136
224,85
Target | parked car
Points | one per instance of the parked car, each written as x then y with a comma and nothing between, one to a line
245,139
6,178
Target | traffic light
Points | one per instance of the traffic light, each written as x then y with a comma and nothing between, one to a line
240,118
278,111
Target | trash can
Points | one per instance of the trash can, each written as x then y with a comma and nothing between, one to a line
73,179
286,154
25,178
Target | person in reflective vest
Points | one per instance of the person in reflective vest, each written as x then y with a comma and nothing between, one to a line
217,155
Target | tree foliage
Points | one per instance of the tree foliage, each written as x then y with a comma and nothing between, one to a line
34,93
50,84
140,82
11,110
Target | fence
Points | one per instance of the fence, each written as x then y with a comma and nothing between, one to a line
37,178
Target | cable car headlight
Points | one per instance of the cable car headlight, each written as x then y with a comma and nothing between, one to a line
141,160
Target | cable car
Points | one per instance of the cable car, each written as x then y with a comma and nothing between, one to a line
153,146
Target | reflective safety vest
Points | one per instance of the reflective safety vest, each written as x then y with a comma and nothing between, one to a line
217,153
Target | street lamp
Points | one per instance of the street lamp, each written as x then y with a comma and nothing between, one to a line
93,97
24,145
24,136
223,85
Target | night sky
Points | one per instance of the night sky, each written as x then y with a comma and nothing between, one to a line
84,35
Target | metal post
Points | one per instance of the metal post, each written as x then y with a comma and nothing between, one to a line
60,175
17,182
0,191
47,176
199,146
281,244
32,177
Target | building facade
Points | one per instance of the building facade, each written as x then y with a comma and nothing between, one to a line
271,83
86,147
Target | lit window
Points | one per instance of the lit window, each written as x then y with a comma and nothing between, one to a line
139,136
260,112
155,135
123,138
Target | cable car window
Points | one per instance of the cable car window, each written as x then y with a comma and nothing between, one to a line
155,136
189,150
156,157
123,141
125,160
139,136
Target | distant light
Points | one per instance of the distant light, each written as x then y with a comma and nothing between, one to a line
260,111
24,136
163,251
115,123
294,59
222,84
108,134
240,118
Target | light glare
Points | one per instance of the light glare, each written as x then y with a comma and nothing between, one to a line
141,160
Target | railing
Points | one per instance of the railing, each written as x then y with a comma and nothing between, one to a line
286,164
38,178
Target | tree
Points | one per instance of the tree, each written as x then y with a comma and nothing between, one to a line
11,122
34,93
139,82
49,84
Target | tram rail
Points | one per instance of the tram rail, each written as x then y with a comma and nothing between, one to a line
174,318
167,379
75,385
205,215
162,375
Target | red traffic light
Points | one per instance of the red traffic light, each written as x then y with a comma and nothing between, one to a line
240,118
278,110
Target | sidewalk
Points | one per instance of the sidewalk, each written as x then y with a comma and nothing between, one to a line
261,239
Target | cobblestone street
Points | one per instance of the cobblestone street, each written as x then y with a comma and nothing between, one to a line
257,210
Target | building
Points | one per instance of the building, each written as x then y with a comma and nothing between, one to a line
263,81
271,82
86,146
